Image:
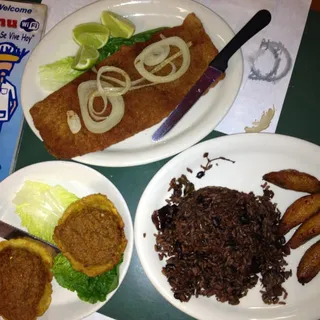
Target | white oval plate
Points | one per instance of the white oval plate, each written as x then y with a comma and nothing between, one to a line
82,181
145,14
255,155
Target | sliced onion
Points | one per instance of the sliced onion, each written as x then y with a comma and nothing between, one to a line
154,55
93,113
157,55
135,87
85,91
174,68
74,122
134,83
159,67
109,89
164,63
154,70
115,80
139,62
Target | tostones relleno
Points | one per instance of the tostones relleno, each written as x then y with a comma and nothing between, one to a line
91,235
25,279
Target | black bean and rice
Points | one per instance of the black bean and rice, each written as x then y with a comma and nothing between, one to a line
216,242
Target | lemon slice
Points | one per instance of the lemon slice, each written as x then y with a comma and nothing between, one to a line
118,25
85,58
91,34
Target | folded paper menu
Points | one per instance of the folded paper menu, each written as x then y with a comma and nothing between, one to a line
21,28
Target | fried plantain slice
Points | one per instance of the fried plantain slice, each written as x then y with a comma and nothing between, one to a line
299,211
307,231
309,265
293,180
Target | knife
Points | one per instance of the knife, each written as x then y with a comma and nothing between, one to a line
216,67
9,232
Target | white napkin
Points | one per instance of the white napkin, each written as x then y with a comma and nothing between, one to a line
280,42
284,34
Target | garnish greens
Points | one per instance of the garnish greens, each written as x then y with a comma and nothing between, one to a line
55,75
90,289
114,44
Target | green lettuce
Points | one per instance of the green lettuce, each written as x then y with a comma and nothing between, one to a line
90,289
55,75
40,207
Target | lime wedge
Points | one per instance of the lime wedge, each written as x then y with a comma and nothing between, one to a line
91,34
118,25
85,58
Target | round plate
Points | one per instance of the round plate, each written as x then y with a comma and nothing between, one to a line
255,155
81,181
195,125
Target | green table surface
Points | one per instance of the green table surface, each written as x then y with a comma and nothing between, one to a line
137,298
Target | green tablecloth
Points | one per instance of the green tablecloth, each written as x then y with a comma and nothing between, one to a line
137,298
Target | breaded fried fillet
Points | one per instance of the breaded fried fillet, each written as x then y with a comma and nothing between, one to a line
25,279
144,107
91,235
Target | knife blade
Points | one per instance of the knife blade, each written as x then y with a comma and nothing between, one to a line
216,67
9,232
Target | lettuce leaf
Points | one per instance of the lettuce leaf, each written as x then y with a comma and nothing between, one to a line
90,289
40,207
55,75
